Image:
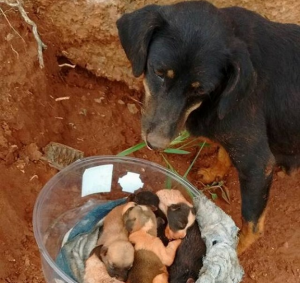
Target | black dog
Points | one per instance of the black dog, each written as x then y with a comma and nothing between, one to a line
227,74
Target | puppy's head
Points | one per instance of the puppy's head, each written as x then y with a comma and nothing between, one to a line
180,218
189,55
140,217
145,198
117,257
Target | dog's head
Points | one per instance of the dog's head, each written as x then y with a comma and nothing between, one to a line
188,53
180,217
117,257
140,217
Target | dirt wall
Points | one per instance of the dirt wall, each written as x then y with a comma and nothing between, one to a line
88,34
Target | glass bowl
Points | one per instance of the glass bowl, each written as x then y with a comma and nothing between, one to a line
70,194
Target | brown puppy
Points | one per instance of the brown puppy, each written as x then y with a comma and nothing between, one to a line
143,234
180,213
151,199
95,270
115,250
147,268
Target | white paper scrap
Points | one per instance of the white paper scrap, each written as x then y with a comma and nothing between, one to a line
97,180
130,182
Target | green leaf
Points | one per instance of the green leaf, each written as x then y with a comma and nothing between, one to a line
205,144
169,164
182,137
132,149
168,183
225,194
214,196
190,167
176,151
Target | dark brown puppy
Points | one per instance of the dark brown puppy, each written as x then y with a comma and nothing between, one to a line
227,74
147,268
189,257
151,199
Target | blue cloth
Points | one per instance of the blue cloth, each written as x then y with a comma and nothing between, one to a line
81,239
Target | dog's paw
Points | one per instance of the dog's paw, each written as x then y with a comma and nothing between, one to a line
249,234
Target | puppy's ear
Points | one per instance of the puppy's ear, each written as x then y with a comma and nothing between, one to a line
102,252
129,223
153,207
135,32
193,210
241,79
96,250
160,221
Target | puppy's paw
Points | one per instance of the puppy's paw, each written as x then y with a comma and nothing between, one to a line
175,244
137,237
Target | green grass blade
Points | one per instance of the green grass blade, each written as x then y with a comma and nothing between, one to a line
181,138
188,143
132,149
169,164
190,167
176,151
214,196
168,184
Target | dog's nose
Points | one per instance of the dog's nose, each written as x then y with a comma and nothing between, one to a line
156,142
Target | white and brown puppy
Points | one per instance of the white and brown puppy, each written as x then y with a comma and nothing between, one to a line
115,250
141,223
180,213
151,199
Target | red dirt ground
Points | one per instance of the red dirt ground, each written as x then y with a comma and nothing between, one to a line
90,121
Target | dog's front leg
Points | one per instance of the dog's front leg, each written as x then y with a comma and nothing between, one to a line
255,175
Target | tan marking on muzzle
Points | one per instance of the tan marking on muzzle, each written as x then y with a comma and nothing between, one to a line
189,110
147,93
145,104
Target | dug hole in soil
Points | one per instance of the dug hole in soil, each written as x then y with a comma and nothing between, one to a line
100,117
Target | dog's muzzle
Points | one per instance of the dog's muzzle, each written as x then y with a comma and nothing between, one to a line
156,142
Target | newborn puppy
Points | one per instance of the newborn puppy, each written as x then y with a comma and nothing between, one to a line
141,223
140,217
95,270
147,268
115,250
151,199
180,213
189,257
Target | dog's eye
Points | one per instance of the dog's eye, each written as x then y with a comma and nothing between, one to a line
198,91
159,74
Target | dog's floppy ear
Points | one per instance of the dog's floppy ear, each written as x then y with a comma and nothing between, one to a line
135,32
96,250
241,79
